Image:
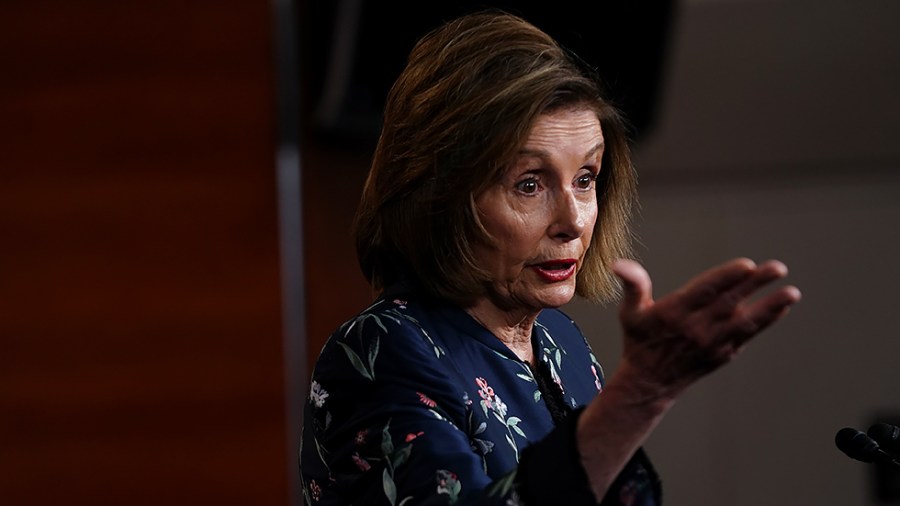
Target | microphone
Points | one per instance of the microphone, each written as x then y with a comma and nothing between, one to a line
859,446
887,435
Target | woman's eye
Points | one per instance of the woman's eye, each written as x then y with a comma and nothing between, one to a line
528,186
585,182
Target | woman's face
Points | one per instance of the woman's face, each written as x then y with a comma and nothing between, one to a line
541,214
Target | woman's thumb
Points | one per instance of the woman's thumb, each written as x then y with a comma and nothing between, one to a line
636,285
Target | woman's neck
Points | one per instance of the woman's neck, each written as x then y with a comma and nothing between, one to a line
512,328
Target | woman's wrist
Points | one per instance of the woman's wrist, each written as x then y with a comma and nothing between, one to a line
640,390
616,424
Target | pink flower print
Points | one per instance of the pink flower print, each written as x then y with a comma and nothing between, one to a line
491,403
485,388
485,392
411,436
596,379
448,484
315,490
361,437
361,463
424,399
400,303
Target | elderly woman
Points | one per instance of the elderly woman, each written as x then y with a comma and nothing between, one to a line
500,189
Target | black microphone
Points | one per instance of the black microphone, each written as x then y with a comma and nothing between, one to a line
887,436
857,445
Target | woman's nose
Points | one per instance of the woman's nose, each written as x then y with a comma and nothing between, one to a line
569,217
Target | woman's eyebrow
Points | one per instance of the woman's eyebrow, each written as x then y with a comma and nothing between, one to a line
534,153
596,149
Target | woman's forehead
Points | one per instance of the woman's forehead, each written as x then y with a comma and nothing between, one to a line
569,129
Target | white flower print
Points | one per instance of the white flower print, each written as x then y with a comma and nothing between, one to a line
317,394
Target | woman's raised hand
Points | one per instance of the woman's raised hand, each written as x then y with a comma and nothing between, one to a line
673,341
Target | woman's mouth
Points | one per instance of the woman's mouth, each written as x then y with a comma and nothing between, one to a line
554,271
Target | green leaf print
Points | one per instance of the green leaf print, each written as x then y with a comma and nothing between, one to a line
439,416
387,444
373,352
513,422
512,443
387,314
321,451
378,321
349,328
503,486
356,361
400,456
390,489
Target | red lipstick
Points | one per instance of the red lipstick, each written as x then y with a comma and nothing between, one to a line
554,271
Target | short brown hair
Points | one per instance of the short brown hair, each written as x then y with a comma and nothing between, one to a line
455,119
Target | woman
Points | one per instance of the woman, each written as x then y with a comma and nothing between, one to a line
500,188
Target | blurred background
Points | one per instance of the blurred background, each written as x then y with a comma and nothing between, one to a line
177,181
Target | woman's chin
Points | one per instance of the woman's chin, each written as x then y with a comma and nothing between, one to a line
556,296
532,297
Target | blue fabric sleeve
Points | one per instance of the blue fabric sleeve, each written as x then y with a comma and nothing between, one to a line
636,485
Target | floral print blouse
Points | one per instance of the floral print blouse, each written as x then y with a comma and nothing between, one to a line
413,402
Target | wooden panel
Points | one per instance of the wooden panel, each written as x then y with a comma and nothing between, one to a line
140,321
333,178
334,168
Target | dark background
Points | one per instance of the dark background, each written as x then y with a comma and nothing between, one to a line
624,41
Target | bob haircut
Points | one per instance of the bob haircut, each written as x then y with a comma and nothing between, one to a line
454,121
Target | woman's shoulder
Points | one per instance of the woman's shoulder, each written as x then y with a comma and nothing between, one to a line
382,356
391,326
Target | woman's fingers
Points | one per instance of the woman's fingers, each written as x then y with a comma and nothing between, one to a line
722,289
713,303
726,302
705,288
760,314
636,285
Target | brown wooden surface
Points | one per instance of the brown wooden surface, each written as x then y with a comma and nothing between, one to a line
140,345
334,168
336,289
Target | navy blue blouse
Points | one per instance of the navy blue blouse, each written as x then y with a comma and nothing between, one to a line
414,402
